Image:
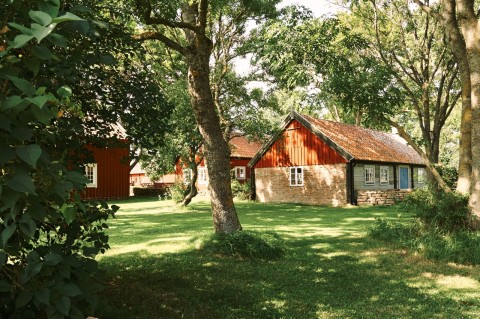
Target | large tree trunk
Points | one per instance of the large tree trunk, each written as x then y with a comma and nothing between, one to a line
216,149
471,32
459,50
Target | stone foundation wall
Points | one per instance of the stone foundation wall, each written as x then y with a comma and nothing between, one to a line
323,185
381,197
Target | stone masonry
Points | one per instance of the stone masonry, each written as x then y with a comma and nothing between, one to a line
381,197
323,185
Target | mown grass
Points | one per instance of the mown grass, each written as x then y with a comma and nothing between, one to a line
331,268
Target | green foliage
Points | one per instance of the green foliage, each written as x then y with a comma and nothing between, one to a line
447,211
449,175
178,191
439,230
150,191
241,190
393,231
244,245
49,237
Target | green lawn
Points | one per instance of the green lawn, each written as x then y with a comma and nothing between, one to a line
331,269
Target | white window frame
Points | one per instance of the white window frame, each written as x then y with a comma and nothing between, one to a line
366,174
296,176
91,169
387,169
421,177
202,176
243,176
187,172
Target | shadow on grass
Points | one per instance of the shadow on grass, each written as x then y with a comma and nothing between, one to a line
331,270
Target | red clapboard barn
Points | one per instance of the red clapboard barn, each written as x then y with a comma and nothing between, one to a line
321,162
242,151
109,173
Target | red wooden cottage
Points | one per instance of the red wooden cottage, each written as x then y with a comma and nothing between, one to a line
108,173
242,151
321,162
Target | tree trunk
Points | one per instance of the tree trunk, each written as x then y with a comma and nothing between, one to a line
459,50
472,41
193,187
216,150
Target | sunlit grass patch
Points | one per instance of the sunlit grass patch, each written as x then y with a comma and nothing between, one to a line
330,268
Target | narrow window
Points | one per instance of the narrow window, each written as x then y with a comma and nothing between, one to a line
202,175
296,176
240,172
421,175
91,174
369,175
384,174
187,176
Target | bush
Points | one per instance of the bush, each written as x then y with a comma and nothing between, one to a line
447,211
149,191
178,191
394,232
241,190
244,244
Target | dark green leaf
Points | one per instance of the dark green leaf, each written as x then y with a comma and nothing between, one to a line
63,305
69,212
23,299
11,102
21,182
64,91
5,124
20,28
5,286
29,154
33,269
67,17
7,233
32,64
36,211
9,199
49,7
41,52
40,32
40,17
23,85
40,100
20,40
42,295
52,259
71,290
3,258
22,133
28,226
44,115
58,39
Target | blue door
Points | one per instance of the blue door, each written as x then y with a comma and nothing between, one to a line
403,177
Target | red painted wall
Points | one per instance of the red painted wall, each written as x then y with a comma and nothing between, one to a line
113,172
298,146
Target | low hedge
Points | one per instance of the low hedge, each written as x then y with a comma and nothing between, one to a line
150,191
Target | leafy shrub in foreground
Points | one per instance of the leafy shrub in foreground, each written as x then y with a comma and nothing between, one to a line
241,190
447,211
244,244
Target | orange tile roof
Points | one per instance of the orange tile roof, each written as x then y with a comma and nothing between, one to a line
366,144
241,147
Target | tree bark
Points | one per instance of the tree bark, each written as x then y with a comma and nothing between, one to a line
216,150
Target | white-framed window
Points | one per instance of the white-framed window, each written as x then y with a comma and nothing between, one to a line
91,174
240,172
421,175
202,175
384,177
369,175
187,175
296,176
